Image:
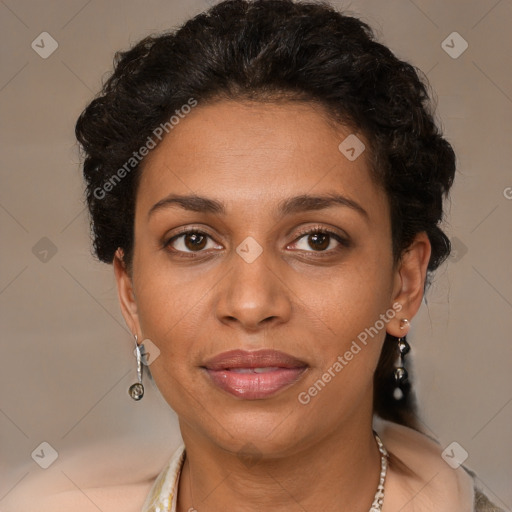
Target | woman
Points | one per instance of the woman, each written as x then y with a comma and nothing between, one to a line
268,183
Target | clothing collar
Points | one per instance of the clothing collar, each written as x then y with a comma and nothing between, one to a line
163,495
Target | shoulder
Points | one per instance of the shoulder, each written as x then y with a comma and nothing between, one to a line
92,487
425,477
419,477
98,476
121,498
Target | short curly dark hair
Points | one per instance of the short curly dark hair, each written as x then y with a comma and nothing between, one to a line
275,50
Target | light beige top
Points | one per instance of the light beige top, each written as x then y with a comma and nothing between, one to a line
443,488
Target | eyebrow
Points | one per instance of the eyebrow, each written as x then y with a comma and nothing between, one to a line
291,205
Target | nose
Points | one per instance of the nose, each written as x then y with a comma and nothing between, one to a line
252,296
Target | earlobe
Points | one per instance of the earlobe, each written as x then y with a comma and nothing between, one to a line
127,300
410,279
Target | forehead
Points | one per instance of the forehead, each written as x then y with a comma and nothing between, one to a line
252,153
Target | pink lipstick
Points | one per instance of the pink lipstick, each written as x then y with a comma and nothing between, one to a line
254,375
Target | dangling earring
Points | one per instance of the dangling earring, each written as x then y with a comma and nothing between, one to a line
400,372
136,391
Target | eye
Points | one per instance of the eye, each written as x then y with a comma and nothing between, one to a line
320,239
190,241
317,239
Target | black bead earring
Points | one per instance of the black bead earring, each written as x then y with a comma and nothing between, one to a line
400,372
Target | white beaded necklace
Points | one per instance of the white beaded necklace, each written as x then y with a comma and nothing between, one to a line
379,495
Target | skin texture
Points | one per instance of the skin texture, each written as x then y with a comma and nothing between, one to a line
308,299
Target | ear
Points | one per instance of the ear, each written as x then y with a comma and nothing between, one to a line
409,286
125,293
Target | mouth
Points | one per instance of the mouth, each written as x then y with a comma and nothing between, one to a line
254,375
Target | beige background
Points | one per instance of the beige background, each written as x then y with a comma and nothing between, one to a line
66,354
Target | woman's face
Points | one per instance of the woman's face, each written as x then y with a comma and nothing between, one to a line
247,182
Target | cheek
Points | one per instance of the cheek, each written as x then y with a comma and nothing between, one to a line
166,293
351,297
354,309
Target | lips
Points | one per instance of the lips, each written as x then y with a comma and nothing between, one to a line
254,375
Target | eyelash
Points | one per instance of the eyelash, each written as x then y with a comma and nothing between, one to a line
344,242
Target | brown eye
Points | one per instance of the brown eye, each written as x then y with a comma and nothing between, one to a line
321,241
189,242
195,241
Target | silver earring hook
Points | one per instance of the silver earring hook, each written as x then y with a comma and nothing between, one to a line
136,391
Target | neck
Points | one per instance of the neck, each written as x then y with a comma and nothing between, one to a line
339,472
